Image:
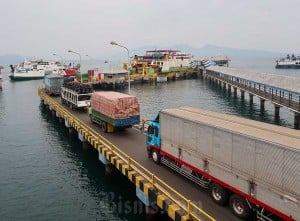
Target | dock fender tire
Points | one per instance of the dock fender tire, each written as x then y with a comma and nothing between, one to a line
219,194
155,156
239,206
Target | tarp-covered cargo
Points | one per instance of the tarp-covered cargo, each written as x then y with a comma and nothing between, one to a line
114,104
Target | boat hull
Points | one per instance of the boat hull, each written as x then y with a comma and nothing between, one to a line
290,66
24,78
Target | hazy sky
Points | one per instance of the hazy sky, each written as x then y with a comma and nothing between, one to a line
44,27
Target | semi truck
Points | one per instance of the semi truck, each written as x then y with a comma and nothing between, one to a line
76,95
114,110
252,166
53,84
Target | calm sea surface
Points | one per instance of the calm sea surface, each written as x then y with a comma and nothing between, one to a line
45,174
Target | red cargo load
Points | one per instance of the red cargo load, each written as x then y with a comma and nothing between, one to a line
114,104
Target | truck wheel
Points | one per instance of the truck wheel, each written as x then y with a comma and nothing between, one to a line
156,156
239,206
104,127
219,194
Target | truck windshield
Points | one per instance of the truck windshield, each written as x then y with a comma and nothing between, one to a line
84,97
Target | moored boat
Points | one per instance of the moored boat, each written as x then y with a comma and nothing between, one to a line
289,62
35,69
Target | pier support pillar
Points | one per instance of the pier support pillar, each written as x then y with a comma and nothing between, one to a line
85,145
72,131
224,85
109,169
81,138
262,104
57,114
277,108
53,113
242,94
229,87
251,98
297,120
235,92
142,196
103,159
61,120
150,212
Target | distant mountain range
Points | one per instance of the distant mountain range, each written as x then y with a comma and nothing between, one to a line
207,50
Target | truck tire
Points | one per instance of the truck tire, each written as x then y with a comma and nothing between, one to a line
239,206
219,194
155,156
104,127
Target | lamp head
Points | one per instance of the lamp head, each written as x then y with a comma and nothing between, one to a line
113,43
70,51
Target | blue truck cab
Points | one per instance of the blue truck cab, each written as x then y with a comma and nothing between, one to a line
153,138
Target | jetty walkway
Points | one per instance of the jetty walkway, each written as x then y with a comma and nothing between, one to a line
282,91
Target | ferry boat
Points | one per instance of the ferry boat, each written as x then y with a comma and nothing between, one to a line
290,61
35,69
161,62
168,60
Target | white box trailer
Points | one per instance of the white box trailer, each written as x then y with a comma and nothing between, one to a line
251,164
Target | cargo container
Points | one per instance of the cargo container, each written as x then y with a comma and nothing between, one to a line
113,110
53,84
76,95
252,166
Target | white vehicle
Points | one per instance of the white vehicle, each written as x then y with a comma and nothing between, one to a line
250,165
74,99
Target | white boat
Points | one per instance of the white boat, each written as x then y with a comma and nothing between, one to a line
35,69
288,62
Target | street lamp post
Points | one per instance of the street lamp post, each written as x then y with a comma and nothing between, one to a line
79,63
128,66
